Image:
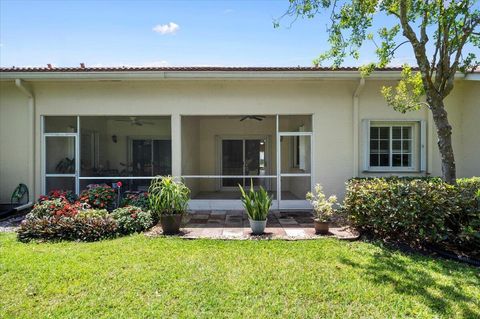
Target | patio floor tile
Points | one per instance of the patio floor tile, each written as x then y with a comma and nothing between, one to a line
235,225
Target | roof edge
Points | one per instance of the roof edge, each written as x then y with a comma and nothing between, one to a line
51,69
161,73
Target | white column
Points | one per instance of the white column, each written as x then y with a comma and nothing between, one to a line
278,157
355,122
176,145
28,91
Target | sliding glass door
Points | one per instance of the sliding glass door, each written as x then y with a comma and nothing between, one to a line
151,156
243,158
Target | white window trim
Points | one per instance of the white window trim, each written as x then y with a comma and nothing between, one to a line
418,146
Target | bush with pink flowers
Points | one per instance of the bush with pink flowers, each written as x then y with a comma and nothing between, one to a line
99,196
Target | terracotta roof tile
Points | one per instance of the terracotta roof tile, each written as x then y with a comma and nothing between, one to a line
182,69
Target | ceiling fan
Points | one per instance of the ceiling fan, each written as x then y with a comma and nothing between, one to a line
134,121
252,117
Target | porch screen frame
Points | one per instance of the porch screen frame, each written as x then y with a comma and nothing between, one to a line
77,174
277,202
278,175
291,204
43,157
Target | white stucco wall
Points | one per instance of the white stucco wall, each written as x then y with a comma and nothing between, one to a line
14,128
329,101
470,130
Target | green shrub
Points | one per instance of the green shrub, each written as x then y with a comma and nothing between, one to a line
412,210
92,213
416,210
465,226
99,196
95,228
132,219
136,199
67,228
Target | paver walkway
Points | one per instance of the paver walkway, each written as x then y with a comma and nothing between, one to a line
235,225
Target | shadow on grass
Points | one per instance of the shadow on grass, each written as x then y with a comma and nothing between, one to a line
413,276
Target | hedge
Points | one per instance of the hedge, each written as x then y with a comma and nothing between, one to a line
416,210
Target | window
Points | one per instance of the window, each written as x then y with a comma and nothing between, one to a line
394,146
391,146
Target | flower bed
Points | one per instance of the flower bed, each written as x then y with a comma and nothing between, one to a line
70,196
99,196
54,217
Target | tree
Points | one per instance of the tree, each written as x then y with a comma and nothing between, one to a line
442,33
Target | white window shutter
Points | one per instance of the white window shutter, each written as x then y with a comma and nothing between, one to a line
423,146
366,144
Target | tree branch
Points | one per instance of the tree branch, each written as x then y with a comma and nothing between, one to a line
398,46
418,48
423,28
448,82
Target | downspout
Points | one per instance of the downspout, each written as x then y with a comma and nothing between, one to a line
356,120
25,89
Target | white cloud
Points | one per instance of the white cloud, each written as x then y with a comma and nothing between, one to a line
169,28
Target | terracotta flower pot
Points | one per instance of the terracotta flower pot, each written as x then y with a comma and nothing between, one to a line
171,223
321,227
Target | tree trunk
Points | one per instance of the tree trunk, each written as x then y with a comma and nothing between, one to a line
444,133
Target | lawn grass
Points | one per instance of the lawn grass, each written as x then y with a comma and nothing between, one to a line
140,277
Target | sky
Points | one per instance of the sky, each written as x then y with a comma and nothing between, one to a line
162,33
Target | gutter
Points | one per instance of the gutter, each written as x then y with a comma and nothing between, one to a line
356,120
205,75
25,89
195,75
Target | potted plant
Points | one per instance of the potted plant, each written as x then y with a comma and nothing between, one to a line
257,204
323,209
168,200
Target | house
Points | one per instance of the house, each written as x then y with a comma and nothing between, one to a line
279,127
